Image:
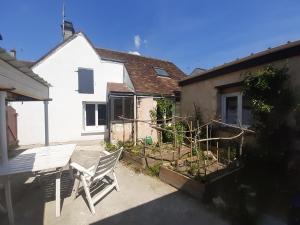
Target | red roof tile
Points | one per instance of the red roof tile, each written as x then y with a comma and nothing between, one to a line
142,74
118,87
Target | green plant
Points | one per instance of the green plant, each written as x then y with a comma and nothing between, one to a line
110,147
272,101
180,132
193,170
153,170
163,110
137,149
167,134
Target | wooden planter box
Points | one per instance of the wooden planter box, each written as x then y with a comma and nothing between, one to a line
182,182
138,160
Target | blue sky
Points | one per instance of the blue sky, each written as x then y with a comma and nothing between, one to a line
189,33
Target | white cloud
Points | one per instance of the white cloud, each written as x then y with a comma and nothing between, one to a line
137,41
134,53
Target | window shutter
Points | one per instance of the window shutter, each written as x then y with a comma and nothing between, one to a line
86,81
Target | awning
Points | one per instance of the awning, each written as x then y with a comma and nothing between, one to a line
19,81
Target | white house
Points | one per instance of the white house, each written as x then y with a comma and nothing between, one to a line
84,79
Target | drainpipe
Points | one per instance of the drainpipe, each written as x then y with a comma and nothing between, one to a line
135,117
46,122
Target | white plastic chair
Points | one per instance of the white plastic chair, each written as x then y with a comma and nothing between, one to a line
91,177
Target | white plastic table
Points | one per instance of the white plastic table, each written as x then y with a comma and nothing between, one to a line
37,159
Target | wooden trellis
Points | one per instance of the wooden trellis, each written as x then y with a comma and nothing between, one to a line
204,150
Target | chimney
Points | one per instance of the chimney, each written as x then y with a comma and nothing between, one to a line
68,29
13,53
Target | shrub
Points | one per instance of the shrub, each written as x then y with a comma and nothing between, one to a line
110,147
154,170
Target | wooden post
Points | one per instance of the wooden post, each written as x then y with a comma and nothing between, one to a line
241,145
217,155
123,131
207,137
198,151
191,139
228,152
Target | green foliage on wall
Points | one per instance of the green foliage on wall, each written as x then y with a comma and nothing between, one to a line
272,102
163,110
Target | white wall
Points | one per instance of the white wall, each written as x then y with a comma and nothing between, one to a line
65,111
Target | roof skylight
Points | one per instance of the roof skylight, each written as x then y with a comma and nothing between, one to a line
161,72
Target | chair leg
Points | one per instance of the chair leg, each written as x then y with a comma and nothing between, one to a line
70,170
88,195
76,187
116,181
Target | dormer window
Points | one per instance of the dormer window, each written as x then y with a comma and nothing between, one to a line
161,72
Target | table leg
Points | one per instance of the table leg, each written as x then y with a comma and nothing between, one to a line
57,192
9,201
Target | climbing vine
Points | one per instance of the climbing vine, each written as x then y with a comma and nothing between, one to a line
272,101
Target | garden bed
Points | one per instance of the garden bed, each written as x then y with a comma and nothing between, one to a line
137,160
182,182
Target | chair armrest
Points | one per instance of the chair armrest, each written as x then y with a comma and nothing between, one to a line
105,152
81,169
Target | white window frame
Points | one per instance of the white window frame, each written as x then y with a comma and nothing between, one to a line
96,127
239,96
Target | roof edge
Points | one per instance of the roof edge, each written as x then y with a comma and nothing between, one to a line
61,45
270,55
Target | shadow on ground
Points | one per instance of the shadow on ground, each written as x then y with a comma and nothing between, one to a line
163,211
30,197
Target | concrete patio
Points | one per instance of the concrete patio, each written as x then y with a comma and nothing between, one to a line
141,200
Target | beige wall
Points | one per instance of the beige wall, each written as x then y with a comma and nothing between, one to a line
124,132
145,104
205,95
121,132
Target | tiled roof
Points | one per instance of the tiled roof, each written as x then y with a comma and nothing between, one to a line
142,74
27,63
118,87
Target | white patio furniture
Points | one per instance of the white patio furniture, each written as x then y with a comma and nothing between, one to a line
93,176
36,160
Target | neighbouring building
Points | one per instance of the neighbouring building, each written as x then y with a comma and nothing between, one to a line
218,91
91,88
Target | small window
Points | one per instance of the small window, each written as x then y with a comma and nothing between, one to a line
128,108
90,115
86,81
161,72
231,110
246,111
235,109
94,115
122,106
101,114
117,108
